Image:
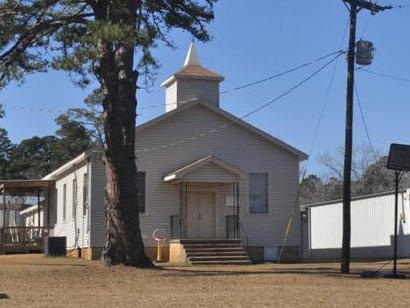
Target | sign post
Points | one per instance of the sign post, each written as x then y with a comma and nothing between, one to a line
399,161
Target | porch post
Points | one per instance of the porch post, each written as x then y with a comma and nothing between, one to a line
233,210
48,206
237,211
180,209
3,230
4,208
183,210
38,210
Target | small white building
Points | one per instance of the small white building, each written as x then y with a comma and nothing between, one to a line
13,216
372,227
203,174
30,216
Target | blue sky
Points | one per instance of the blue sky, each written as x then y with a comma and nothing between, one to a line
252,40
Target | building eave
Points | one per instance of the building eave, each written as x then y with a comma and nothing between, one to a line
178,174
335,201
72,163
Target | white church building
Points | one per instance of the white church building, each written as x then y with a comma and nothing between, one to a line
205,177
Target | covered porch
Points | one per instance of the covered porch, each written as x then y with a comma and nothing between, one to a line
15,235
209,200
207,228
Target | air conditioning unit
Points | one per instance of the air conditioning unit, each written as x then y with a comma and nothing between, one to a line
55,246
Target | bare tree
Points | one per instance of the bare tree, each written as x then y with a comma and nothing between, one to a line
369,172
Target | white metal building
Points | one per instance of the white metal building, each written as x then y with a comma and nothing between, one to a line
372,221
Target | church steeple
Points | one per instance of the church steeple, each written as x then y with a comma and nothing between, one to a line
192,57
192,81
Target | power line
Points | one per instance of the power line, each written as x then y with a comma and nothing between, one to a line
281,74
326,100
253,83
37,109
384,75
293,88
364,122
216,129
315,135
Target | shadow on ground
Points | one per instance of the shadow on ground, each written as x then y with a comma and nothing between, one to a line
314,271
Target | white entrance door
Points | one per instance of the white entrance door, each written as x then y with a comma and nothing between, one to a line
201,215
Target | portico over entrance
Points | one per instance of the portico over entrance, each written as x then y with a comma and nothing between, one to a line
209,199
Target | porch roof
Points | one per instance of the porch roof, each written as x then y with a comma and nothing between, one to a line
180,174
23,186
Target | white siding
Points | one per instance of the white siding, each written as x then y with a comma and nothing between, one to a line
74,228
198,88
97,201
372,221
183,90
31,218
233,144
171,97
210,173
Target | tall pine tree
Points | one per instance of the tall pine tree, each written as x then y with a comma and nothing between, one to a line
111,41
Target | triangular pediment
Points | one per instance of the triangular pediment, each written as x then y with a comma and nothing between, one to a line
206,169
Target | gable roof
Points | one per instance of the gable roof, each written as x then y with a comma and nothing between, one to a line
179,173
197,101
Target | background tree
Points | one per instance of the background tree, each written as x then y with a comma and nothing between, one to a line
35,157
369,176
5,148
32,158
111,41
90,117
74,138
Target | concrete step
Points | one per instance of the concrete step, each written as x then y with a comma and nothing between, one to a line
219,262
215,252
214,249
200,241
199,246
206,254
218,258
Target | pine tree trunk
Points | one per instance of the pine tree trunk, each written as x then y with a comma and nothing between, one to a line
123,241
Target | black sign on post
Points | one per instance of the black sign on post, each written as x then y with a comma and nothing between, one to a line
399,157
399,160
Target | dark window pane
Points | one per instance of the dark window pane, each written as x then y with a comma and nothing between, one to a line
85,193
64,201
75,193
258,192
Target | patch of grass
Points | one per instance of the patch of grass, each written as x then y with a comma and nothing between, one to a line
34,281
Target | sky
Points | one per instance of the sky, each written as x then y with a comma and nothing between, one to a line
253,40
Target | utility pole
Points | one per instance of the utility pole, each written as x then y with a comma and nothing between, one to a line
354,8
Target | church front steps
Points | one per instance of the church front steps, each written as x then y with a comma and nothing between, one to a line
215,252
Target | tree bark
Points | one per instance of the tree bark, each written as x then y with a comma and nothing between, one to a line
123,241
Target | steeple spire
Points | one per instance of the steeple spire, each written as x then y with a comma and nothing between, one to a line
192,57
192,81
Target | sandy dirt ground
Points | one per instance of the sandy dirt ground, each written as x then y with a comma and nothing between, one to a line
37,281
